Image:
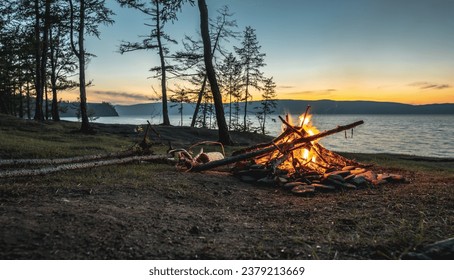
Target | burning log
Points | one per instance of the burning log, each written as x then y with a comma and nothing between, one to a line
298,143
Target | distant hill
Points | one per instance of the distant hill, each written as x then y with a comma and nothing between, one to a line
103,109
299,106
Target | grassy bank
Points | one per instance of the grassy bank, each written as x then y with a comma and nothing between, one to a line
152,211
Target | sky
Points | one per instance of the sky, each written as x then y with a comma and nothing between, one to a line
376,50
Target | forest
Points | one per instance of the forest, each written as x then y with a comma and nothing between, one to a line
43,54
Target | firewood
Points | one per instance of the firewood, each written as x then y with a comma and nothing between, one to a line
249,155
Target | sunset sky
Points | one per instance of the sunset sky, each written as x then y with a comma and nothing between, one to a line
379,50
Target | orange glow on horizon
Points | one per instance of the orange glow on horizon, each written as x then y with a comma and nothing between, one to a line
407,95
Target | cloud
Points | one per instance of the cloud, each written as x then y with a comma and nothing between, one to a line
286,86
427,85
320,92
127,95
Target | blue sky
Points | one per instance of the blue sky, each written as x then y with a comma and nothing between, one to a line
383,50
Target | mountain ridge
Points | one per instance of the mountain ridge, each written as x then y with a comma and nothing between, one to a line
324,106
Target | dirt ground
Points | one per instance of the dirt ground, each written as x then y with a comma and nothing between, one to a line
152,211
215,216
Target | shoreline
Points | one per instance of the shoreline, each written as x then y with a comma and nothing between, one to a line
188,135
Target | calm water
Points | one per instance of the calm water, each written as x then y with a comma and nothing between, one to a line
423,135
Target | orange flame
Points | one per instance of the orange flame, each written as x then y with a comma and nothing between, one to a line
302,156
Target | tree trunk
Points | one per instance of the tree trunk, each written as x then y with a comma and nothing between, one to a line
29,116
224,136
21,101
199,100
202,90
46,116
39,94
165,111
245,128
53,79
45,46
85,127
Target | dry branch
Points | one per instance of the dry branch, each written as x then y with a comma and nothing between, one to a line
253,154
82,165
22,162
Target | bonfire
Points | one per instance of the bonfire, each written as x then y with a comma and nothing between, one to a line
295,161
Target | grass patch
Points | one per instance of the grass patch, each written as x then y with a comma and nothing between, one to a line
440,166
30,139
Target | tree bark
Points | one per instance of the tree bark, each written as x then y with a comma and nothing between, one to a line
224,136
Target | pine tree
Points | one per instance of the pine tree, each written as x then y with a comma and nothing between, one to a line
230,81
268,103
252,60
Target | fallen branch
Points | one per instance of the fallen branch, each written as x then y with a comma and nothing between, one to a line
73,166
22,162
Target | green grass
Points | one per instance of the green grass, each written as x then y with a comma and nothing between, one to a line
440,166
30,139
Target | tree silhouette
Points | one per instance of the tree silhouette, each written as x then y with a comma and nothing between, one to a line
224,136
230,80
268,103
62,61
252,60
161,12
90,14
223,31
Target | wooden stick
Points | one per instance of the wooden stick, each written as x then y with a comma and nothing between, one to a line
305,115
154,130
245,156
291,127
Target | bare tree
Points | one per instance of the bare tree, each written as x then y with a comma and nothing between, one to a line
160,11
223,30
224,136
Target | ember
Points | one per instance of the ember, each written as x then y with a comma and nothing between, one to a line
296,161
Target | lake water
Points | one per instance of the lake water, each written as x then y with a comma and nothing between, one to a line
422,135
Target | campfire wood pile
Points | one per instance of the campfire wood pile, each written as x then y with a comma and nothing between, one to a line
297,162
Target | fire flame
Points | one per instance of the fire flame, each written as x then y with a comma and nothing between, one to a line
304,155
